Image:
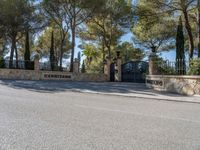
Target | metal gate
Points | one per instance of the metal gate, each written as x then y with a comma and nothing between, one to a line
134,71
112,72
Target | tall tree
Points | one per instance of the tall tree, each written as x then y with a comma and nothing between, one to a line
2,51
184,7
52,56
43,44
107,27
27,52
79,57
56,13
180,51
129,52
17,16
83,70
79,12
153,31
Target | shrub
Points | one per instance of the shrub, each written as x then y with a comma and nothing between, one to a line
194,67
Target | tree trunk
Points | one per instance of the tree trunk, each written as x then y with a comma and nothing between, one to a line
52,57
27,52
73,45
16,56
61,53
189,30
180,49
109,51
103,51
12,53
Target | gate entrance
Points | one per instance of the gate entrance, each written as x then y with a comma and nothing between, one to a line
134,71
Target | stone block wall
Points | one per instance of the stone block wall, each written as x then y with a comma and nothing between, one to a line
187,85
16,74
19,74
91,77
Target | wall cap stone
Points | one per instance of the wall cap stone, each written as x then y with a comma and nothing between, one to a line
174,76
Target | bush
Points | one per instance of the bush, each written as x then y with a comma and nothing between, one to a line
164,67
194,67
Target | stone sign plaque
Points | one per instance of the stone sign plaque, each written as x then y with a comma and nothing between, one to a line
56,76
155,82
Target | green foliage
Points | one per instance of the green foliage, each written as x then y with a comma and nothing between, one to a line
164,67
153,32
181,7
129,53
194,67
83,70
43,44
90,51
16,17
95,66
107,27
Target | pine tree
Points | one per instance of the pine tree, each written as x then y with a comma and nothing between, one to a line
83,70
79,56
180,52
27,52
52,57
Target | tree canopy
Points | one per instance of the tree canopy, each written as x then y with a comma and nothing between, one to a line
54,26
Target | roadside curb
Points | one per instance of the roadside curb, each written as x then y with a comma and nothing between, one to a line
137,96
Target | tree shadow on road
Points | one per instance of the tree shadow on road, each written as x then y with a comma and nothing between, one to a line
62,86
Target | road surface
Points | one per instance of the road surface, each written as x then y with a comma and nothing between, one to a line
45,118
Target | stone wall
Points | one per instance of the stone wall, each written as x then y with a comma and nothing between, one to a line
16,74
188,85
91,77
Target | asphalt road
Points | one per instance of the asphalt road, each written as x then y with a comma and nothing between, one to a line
47,118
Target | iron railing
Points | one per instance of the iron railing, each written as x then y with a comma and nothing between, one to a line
20,64
178,67
47,66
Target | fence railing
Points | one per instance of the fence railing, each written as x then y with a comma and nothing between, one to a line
47,66
29,65
20,64
178,67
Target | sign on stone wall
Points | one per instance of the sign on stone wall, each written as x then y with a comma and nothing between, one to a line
155,82
56,76
188,85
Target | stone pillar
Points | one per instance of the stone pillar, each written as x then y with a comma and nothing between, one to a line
76,66
153,65
107,68
118,74
36,63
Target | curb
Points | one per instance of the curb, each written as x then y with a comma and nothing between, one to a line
136,96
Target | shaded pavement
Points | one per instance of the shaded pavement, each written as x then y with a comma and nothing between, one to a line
107,88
